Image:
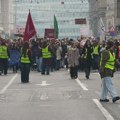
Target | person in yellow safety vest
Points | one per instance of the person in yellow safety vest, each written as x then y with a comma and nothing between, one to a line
46,57
4,56
96,55
25,62
107,66
87,58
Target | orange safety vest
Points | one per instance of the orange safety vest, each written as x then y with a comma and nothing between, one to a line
119,51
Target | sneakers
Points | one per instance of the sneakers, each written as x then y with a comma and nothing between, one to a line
87,77
75,77
115,99
105,100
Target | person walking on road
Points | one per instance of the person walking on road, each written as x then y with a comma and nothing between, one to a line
46,58
87,58
58,55
4,56
25,62
96,55
107,66
73,60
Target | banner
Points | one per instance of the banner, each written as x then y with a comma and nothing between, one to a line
49,33
14,57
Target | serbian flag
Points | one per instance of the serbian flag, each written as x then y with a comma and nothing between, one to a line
29,29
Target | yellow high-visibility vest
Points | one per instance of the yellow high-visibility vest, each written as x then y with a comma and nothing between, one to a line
25,59
3,52
0,51
95,50
46,53
111,62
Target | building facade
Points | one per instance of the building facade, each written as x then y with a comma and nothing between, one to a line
109,11
97,11
43,11
6,16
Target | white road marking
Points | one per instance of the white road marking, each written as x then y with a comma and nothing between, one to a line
103,110
46,105
10,82
43,84
81,84
44,96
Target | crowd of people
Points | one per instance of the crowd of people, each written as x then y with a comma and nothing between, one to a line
45,56
63,54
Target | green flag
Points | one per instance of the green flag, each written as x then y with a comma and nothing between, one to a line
56,29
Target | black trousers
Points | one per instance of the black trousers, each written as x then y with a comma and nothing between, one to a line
25,70
87,67
87,72
4,65
74,72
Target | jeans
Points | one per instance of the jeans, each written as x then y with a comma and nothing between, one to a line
107,87
45,68
53,63
58,64
39,64
95,62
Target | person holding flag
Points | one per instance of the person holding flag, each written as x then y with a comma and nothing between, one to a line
25,51
25,62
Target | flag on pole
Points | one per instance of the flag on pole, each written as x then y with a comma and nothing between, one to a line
101,28
29,29
56,29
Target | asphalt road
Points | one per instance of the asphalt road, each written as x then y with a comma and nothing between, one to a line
56,97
